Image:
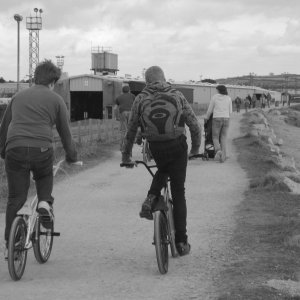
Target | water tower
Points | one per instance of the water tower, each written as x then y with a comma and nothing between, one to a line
104,61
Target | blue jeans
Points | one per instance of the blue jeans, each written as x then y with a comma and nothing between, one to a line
171,160
18,164
219,132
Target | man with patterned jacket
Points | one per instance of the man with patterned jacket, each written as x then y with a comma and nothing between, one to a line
170,153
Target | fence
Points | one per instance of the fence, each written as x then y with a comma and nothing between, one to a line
87,133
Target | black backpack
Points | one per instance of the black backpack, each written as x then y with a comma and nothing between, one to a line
161,116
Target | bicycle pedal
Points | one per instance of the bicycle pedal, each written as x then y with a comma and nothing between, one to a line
55,234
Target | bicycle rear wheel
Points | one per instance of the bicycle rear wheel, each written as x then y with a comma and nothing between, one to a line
17,254
42,241
161,241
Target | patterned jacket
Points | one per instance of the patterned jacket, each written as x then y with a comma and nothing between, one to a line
189,116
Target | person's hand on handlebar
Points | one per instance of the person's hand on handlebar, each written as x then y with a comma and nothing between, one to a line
127,162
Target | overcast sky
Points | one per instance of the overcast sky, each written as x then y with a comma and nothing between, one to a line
189,39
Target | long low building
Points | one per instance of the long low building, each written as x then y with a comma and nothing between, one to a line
93,96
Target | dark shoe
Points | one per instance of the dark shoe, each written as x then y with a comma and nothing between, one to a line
46,214
147,206
183,248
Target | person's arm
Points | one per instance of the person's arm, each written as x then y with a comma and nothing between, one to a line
132,128
3,129
63,129
192,122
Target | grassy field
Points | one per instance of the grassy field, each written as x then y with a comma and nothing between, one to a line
262,247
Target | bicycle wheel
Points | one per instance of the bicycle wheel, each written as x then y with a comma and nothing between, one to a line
171,227
42,241
17,254
161,241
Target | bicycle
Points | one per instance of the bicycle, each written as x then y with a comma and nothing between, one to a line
164,229
27,231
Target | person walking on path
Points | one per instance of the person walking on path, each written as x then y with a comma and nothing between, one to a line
26,142
163,112
269,98
238,102
247,104
124,103
284,98
221,108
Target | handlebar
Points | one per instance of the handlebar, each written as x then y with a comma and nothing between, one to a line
135,163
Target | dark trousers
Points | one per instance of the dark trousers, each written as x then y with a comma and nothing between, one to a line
171,160
18,164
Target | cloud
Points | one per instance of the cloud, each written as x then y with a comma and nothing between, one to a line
210,37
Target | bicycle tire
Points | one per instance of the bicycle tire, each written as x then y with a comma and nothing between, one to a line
171,228
43,242
17,254
161,241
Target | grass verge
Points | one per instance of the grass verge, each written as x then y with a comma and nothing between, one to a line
266,221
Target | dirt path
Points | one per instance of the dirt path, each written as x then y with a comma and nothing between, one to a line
105,249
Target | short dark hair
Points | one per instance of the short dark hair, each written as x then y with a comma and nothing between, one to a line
154,74
222,89
46,72
125,89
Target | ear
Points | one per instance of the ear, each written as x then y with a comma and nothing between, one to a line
51,85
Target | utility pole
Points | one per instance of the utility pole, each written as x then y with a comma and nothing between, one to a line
18,18
251,79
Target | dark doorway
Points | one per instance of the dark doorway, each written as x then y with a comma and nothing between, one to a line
86,105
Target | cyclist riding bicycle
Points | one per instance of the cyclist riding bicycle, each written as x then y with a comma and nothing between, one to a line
163,112
26,142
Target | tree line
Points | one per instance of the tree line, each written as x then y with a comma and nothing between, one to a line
2,80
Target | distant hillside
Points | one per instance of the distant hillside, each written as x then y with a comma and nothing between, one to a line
282,82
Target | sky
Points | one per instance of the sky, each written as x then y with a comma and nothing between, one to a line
189,39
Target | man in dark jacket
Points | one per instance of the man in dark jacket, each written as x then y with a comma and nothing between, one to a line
170,154
26,141
124,103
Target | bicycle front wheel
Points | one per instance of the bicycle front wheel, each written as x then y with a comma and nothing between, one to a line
17,253
42,241
161,241
171,229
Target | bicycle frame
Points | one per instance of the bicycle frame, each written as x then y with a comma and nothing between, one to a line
30,214
26,224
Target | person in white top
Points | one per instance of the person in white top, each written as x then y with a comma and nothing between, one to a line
220,107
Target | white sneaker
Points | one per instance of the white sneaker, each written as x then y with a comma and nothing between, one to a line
46,212
218,155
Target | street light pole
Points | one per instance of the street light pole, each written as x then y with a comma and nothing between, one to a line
18,18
